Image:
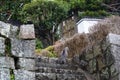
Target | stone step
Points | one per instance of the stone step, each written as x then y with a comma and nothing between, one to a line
50,60
54,76
57,66
54,70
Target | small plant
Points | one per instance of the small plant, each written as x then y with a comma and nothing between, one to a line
51,51
39,44
48,52
50,48
38,51
12,76
8,47
52,54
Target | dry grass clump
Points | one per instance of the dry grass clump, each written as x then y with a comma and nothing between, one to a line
97,33
47,52
58,46
108,25
75,44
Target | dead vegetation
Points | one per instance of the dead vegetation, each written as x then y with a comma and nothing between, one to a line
93,49
108,25
79,42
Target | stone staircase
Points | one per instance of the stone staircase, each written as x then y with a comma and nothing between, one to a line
50,69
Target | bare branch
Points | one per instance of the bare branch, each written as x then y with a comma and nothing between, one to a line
112,8
115,4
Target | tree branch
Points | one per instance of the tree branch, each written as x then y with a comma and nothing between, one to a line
108,6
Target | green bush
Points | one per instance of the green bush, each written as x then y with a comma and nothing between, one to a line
39,44
99,13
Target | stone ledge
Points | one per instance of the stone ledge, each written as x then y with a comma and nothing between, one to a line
4,29
50,60
54,76
26,64
2,46
113,39
27,32
57,66
24,75
7,62
4,74
54,70
23,48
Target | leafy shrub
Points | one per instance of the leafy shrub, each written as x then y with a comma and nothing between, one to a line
39,44
99,13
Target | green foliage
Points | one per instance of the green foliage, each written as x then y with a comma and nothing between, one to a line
8,47
45,13
99,14
94,6
38,51
10,9
77,4
39,44
48,52
12,77
51,51
50,48
52,55
48,13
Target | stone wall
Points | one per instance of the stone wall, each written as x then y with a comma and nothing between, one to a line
19,62
101,59
114,41
17,46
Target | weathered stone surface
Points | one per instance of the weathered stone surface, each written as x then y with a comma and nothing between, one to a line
54,76
26,64
7,62
115,51
67,77
23,48
28,48
16,47
45,76
57,66
4,74
14,30
50,60
27,32
116,66
24,75
55,70
2,46
4,29
46,59
114,39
